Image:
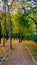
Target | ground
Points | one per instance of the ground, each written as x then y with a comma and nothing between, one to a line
18,56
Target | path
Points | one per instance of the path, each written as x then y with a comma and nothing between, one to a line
20,56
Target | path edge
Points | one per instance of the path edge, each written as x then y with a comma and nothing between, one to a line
4,57
31,55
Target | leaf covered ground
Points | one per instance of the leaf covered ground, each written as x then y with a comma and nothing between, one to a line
32,47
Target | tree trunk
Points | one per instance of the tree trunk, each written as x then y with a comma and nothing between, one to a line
10,35
0,31
10,27
4,13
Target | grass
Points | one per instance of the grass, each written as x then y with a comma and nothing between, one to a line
6,48
33,50
3,51
32,47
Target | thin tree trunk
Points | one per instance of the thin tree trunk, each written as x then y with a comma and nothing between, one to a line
10,28
19,35
0,31
10,35
4,13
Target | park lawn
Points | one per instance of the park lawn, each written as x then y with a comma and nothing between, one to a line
33,50
3,51
32,46
6,48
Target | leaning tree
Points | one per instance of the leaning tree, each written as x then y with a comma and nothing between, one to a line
6,3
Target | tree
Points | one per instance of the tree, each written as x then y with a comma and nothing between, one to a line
0,32
4,13
10,27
